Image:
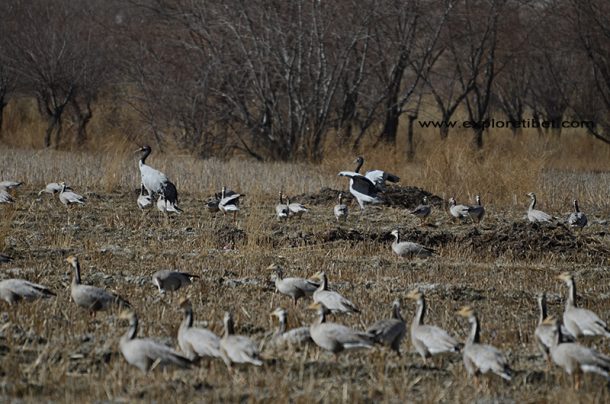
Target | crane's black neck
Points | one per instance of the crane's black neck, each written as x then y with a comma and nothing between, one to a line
145,154
359,163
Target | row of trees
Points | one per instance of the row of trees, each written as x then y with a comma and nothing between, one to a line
275,78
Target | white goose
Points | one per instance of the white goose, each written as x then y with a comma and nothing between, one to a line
340,210
457,211
295,209
52,188
144,199
534,215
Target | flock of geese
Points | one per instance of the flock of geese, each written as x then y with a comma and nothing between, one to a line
556,339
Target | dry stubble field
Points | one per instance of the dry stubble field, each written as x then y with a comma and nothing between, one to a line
51,350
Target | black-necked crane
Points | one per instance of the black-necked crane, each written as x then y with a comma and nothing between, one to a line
155,181
229,203
378,177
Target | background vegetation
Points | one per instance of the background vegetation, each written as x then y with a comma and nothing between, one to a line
279,80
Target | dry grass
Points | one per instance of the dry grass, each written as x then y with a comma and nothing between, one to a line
53,351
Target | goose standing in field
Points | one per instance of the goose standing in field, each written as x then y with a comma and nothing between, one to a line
90,297
534,215
457,211
545,332
15,290
577,218
580,322
167,207
476,211
5,258
333,301
144,199
390,331
422,211
196,342
408,248
282,211
481,358
295,209
574,358
283,337
429,340
237,348
53,188
296,288
340,210
171,280
229,203
144,353
334,337
378,177
155,181
68,197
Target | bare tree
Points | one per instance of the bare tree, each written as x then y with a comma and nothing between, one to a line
51,48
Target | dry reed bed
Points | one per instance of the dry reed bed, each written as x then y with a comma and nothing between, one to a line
54,351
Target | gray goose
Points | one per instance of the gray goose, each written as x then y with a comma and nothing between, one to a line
535,215
480,358
422,211
196,342
90,297
145,353
333,301
390,331
13,291
408,249
284,337
580,322
237,348
577,218
574,358
294,287
429,340
166,280
336,338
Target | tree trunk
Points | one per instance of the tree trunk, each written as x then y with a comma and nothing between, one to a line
410,145
390,126
478,136
49,131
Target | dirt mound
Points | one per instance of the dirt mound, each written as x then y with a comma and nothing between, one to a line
405,197
230,236
526,240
